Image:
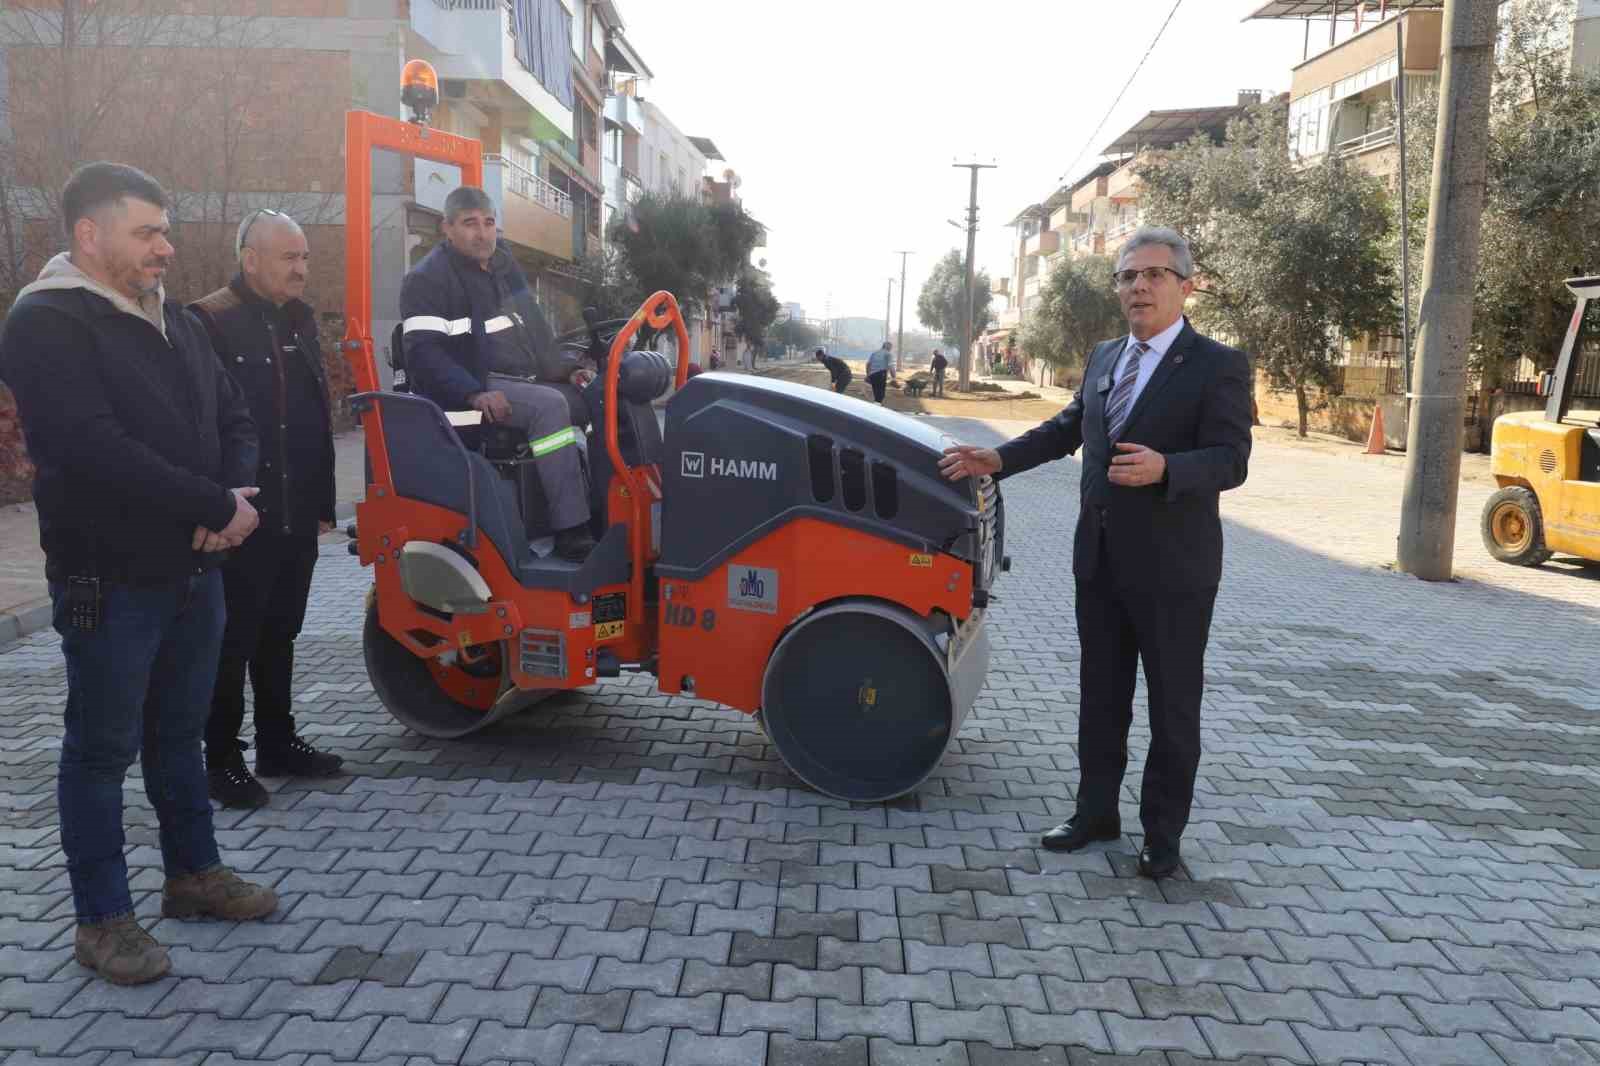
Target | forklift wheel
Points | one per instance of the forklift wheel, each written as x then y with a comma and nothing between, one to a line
1513,527
434,698
857,702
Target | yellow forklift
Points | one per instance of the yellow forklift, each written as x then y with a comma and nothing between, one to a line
1548,465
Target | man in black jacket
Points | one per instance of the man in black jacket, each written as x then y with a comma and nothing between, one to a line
146,460
838,370
1164,422
266,337
938,366
474,337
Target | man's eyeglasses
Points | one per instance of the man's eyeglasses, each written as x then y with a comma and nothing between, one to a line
244,230
1124,279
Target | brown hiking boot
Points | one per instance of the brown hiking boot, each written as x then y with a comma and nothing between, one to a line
119,950
216,893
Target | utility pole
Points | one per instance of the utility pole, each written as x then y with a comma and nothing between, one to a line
900,333
1450,264
888,302
965,380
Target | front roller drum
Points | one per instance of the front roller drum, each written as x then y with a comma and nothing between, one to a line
859,701
442,698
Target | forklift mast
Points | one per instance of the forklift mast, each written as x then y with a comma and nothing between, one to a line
1559,390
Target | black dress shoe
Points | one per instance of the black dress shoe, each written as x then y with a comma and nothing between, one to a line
1158,860
1079,832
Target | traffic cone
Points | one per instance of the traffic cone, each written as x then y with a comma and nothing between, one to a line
1375,445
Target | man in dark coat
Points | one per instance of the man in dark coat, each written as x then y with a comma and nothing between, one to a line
266,336
838,370
146,462
1163,419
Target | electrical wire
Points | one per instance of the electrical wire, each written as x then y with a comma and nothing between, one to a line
1125,87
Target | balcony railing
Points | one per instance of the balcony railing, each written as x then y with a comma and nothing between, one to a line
530,186
1370,139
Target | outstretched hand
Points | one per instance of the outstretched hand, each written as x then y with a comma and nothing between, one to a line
969,460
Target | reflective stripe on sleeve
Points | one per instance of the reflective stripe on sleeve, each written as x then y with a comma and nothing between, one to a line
495,325
434,324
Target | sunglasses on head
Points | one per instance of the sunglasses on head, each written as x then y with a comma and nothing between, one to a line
244,230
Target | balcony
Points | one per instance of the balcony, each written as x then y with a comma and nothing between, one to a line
472,41
530,211
622,186
1089,244
1367,141
1085,197
1123,184
1045,242
1352,58
625,111
1064,220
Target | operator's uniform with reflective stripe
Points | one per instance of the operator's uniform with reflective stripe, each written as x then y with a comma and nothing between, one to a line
468,330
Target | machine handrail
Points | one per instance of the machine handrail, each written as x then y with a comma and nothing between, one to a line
656,312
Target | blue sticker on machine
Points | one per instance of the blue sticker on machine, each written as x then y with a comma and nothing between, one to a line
753,588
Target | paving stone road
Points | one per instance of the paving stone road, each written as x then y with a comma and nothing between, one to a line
1395,858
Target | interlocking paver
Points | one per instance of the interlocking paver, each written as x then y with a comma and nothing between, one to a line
1392,849
594,1047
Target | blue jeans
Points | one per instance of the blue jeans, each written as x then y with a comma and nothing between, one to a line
140,682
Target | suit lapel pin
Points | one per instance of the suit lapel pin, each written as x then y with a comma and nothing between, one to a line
1177,360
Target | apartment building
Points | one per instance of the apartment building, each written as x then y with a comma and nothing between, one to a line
1095,213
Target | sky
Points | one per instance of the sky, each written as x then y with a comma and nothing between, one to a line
843,117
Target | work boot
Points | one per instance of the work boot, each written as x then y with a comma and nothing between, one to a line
575,544
216,893
229,780
119,950
294,758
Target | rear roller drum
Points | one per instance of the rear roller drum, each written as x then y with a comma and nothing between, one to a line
858,702
443,698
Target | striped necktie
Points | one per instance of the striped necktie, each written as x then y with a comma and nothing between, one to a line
1121,401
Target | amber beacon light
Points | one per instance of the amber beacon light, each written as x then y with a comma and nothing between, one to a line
419,89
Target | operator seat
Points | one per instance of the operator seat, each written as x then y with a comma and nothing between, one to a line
474,471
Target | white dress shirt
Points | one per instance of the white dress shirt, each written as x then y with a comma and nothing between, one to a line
1149,360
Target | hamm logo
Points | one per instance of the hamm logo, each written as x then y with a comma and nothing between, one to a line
696,465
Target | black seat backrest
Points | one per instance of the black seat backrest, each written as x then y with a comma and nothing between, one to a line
428,463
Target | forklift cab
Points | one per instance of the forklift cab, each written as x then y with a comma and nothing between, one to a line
1547,464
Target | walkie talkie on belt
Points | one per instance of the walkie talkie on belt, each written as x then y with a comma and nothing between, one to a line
83,603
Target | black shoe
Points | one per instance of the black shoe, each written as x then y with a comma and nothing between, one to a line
575,544
229,781
1158,860
1079,832
295,758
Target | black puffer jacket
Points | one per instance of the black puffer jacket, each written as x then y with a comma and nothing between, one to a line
273,353
137,438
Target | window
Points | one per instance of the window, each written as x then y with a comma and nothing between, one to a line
588,131
580,12
614,146
597,36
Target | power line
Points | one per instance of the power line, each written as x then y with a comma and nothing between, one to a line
1126,86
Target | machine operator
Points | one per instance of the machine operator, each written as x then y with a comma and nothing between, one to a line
474,337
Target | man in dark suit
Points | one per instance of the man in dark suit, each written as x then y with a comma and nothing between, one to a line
1163,418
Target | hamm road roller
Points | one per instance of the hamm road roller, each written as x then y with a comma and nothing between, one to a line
774,548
